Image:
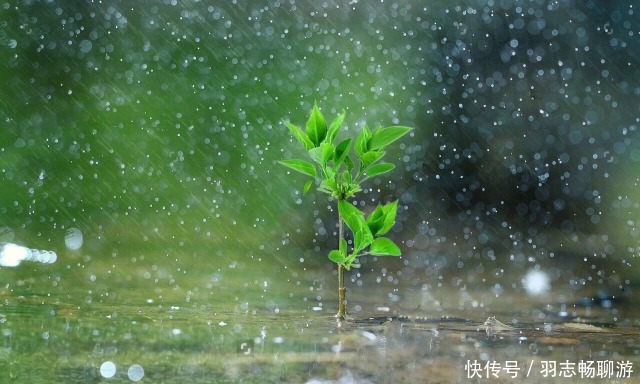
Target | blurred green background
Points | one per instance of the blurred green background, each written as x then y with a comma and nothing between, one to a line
154,128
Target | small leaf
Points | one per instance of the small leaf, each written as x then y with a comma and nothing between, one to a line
383,137
354,219
362,141
307,185
371,157
300,136
328,173
343,248
330,186
358,240
316,154
389,211
362,238
352,189
336,257
321,154
341,152
375,221
349,262
316,126
326,190
378,169
351,215
327,152
384,247
349,163
346,176
335,127
300,166
375,225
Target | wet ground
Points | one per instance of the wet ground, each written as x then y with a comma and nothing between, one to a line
116,327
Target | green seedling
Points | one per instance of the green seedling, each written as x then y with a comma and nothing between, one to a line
339,173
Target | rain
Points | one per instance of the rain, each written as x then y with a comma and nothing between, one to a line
149,233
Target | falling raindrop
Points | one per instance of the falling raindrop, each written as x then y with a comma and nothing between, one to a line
85,46
73,239
135,372
107,369
536,282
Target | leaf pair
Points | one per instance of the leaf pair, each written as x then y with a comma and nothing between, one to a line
382,218
317,131
367,233
372,141
369,148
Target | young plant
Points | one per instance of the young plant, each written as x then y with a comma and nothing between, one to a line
339,173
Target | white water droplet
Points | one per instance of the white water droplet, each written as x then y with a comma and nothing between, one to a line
536,282
107,369
73,239
135,372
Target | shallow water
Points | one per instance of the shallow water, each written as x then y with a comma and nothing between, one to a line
113,327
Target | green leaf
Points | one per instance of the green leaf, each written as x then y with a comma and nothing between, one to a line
328,186
378,169
300,166
323,189
384,247
349,163
336,257
341,152
307,185
300,136
351,215
346,176
316,154
343,248
316,126
328,173
354,219
327,152
322,153
335,127
389,211
352,189
376,225
362,141
371,157
349,262
383,137
362,238
375,221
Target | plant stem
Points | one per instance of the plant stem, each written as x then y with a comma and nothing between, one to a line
342,289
